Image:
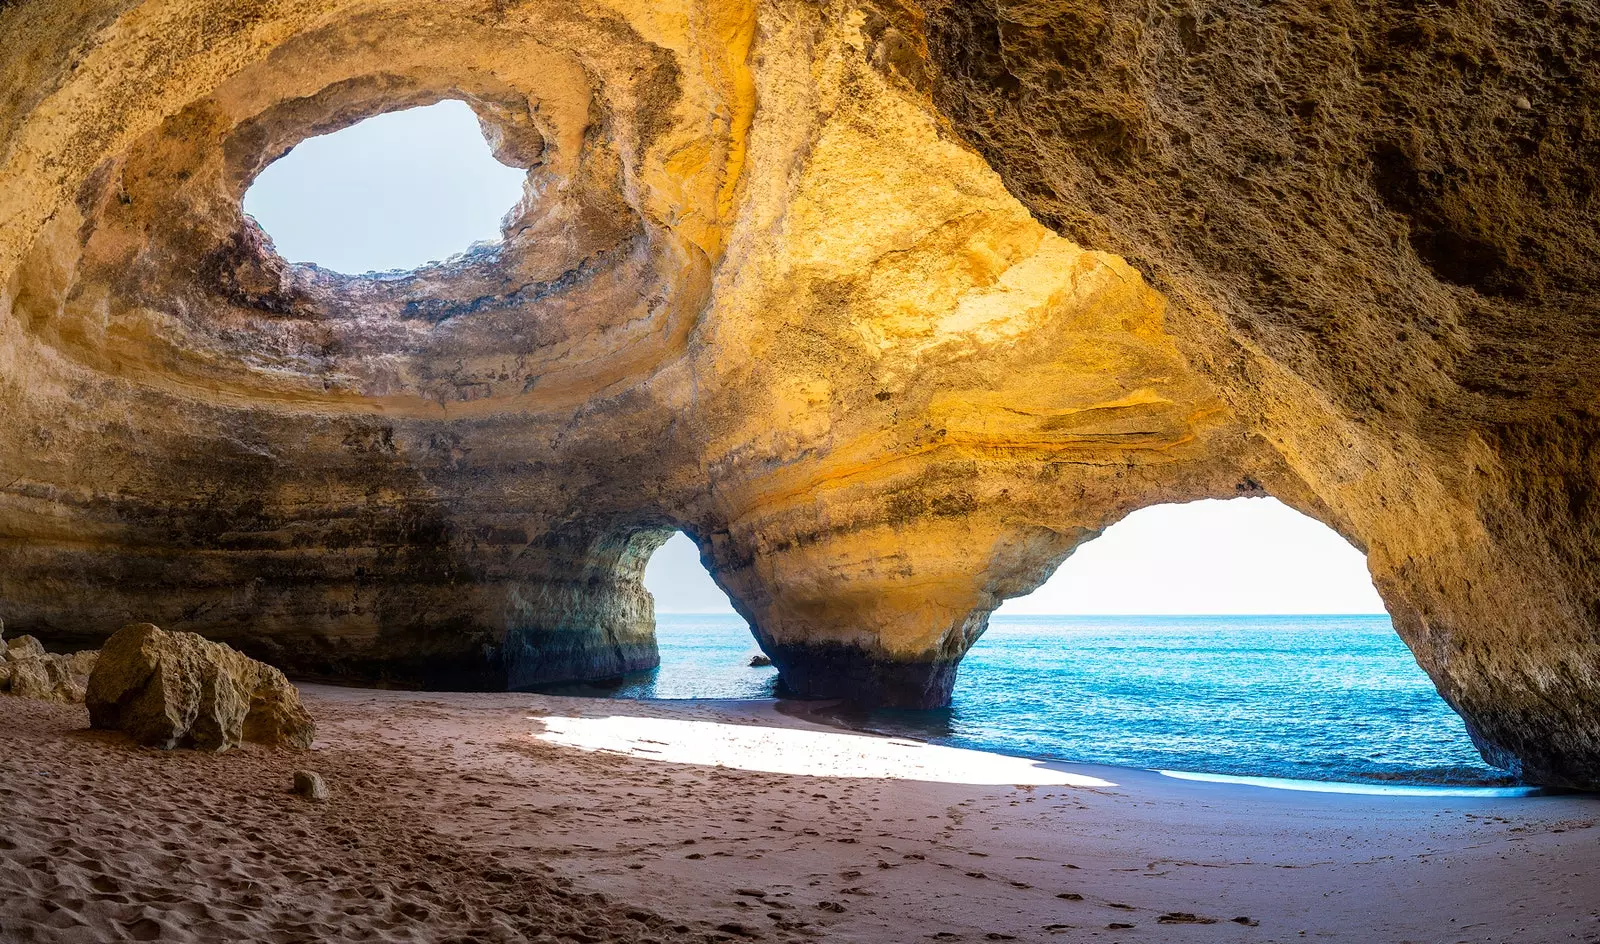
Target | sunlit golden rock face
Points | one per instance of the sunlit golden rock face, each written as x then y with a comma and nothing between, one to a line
1378,229
766,285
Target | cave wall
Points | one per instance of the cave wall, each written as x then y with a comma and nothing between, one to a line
891,307
1378,228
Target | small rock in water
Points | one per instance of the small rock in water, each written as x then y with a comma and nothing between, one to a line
310,785
760,660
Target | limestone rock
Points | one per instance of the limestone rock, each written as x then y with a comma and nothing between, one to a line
82,663
275,714
32,678
25,648
28,671
171,690
310,785
760,660
1393,286
891,306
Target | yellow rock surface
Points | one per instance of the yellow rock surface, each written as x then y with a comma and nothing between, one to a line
767,284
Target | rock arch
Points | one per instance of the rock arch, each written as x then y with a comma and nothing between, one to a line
768,284
1377,228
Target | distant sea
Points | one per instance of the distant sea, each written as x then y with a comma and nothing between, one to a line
1301,697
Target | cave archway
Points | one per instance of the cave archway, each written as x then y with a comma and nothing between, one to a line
1253,555
699,646
1227,637
826,330
706,646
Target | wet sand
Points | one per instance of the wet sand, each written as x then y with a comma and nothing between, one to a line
479,818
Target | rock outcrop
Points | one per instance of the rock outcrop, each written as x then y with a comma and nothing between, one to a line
1379,231
889,306
172,690
28,671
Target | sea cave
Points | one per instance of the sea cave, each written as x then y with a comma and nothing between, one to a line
889,308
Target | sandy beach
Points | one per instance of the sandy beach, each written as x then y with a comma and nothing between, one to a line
508,817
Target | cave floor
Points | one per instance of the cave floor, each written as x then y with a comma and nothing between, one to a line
452,819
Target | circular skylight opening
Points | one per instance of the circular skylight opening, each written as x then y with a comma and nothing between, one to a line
394,192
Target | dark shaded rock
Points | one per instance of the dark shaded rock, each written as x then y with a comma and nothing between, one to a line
310,785
862,677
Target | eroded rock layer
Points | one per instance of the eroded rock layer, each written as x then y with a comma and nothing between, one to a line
771,282
1379,229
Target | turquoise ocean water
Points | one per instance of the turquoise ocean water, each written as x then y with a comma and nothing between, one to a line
1302,697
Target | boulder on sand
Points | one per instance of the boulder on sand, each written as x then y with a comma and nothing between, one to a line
179,690
28,671
309,784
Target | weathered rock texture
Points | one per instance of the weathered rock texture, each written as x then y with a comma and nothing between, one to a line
28,671
310,785
171,690
1379,230
768,285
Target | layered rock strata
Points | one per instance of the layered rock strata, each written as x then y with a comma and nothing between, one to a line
1379,230
856,295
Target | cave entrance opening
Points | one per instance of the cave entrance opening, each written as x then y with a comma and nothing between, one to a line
1233,637
706,648
391,193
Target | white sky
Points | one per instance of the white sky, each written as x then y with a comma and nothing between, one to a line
393,192
679,581
1247,555
409,187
